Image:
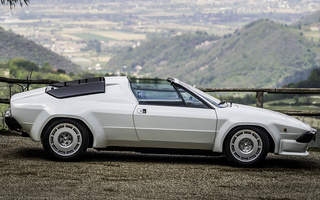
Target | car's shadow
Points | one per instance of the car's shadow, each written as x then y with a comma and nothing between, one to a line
154,158
127,156
271,162
292,162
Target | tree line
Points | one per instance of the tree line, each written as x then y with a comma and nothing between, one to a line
13,3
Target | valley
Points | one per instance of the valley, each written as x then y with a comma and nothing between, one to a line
68,27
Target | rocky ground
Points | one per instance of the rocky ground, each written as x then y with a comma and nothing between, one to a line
27,173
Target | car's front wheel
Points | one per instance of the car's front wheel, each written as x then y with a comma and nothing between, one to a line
246,146
65,139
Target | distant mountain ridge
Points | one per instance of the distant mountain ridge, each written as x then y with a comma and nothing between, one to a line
310,19
261,54
13,45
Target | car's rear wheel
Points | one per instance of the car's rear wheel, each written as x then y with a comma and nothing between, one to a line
246,146
65,139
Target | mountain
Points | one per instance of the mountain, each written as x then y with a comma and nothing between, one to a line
313,81
311,18
261,54
13,45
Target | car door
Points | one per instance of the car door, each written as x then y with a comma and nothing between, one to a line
169,114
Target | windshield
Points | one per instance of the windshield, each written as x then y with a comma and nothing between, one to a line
204,95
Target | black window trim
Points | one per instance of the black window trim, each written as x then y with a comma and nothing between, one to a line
179,94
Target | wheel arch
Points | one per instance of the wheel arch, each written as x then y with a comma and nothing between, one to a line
271,140
91,138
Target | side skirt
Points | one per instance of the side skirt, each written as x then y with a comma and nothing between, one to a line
162,151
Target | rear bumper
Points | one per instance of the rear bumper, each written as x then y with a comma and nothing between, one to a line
11,122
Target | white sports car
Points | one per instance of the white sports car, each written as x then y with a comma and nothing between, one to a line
151,115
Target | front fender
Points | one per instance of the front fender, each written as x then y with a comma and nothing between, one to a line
225,129
277,125
232,117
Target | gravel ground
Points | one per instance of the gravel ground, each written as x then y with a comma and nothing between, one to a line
27,173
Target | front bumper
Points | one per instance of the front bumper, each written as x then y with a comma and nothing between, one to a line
299,146
11,122
292,147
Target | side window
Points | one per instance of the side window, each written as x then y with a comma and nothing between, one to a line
190,100
159,93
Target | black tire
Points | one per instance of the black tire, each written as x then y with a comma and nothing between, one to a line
246,146
65,140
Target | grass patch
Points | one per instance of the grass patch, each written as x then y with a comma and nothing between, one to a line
121,35
90,36
6,132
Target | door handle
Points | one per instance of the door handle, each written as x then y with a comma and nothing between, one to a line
142,111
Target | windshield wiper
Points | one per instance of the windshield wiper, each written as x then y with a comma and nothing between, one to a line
223,101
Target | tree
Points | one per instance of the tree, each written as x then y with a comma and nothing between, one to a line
13,3
19,67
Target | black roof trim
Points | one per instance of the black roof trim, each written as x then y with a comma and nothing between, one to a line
78,82
77,88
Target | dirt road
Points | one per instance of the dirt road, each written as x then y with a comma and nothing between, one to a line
27,173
